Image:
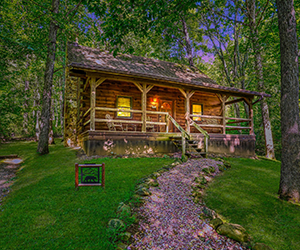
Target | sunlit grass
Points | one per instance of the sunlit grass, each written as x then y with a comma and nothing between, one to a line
247,195
44,211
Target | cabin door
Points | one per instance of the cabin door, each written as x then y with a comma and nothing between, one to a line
165,106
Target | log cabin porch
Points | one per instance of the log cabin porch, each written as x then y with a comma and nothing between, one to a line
113,112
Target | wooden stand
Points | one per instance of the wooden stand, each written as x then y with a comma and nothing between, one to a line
77,166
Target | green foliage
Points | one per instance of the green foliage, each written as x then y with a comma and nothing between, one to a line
247,195
43,204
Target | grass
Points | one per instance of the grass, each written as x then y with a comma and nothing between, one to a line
44,211
246,194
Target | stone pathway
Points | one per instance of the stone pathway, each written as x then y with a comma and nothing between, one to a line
172,220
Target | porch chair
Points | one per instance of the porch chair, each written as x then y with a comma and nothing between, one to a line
112,126
150,126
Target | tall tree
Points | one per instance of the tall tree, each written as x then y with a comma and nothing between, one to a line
290,125
48,78
252,15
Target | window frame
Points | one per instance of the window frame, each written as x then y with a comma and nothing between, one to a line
117,102
199,118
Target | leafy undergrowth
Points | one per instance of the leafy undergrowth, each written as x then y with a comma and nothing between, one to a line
44,211
246,194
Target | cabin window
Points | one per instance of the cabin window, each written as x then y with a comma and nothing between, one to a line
197,109
124,102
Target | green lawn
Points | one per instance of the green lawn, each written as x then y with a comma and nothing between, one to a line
43,211
246,194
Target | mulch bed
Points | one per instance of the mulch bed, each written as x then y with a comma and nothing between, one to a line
171,219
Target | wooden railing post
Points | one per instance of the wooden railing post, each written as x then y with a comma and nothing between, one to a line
93,102
167,121
183,146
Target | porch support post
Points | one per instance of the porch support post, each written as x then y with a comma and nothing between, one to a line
93,102
144,106
223,114
187,94
144,89
223,102
250,105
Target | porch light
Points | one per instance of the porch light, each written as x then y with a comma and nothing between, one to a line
154,102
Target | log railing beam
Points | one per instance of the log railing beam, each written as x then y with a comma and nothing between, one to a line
234,101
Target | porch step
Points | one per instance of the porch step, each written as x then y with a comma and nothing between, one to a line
195,154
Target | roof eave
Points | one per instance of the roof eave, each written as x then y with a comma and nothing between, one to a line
173,80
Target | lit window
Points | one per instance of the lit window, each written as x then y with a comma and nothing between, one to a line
124,102
197,109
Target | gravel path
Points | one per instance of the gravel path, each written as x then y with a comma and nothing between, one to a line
171,218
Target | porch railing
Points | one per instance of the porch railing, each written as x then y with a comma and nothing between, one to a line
166,114
225,126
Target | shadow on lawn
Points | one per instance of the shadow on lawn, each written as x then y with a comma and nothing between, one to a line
247,195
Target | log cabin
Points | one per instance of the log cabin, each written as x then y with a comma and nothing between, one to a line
127,104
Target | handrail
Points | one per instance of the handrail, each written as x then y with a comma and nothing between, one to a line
199,128
187,135
206,135
87,112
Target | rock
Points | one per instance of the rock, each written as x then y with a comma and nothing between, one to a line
212,169
206,170
219,159
221,168
166,168
121,246
162,170
124,209
261,246
203,180
215,223
227,164
134,219
152,183
124,237
137,200
211,214
200,186
115,225
197,194
233,231
155,175
143,192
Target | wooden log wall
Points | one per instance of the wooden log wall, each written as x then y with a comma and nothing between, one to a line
211,106
106,96
109,90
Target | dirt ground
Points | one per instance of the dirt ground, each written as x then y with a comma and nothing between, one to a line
7,175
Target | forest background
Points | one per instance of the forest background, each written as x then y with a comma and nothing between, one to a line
236,43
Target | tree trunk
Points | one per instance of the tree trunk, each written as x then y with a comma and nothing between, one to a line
260,80
26,115
187,43
290,164
45,117
51,134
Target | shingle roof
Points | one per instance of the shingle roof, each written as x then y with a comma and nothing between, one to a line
90,58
